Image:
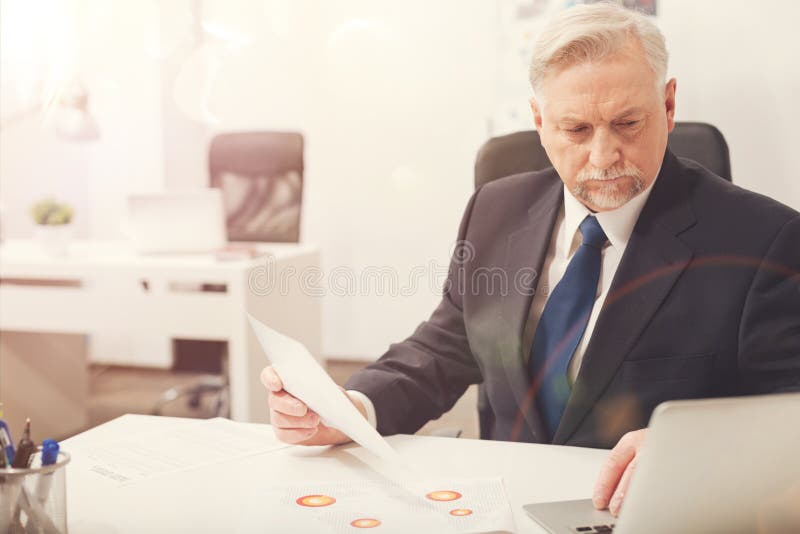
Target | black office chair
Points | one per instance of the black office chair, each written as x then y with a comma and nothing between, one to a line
522,152
261,178
260,174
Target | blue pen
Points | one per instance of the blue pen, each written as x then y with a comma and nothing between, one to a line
49,451
49,457
6,442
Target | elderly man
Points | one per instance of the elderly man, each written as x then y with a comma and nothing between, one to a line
657,279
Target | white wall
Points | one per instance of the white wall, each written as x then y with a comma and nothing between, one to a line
394,99
124,88
736,63
30,172
125,94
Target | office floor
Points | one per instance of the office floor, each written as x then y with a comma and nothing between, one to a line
114,391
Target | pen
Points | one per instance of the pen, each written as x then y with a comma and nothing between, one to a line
49,456
9,504
25,448
5,442
38,520
49,451
8,489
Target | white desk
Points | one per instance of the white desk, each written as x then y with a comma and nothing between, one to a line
208,499
106,288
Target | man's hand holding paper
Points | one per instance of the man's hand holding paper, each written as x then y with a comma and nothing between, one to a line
325,410
292,419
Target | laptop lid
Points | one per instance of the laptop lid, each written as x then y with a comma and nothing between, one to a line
182,222
718,465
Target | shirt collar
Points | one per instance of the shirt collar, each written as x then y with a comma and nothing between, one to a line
617,224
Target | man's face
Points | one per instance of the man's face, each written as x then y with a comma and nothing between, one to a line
604,126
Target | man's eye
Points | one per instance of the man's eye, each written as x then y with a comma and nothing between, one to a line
577,129
628,124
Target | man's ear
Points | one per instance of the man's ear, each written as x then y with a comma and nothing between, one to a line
537,113
669,103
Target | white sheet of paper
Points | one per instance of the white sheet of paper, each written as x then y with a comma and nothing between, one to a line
186,446
481,506
304,378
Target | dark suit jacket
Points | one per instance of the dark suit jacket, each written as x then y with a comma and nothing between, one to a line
705,302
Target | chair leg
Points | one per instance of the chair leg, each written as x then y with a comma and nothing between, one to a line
195,393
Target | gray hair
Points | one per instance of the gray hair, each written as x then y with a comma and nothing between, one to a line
592,32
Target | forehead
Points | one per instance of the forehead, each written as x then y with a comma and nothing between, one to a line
600,90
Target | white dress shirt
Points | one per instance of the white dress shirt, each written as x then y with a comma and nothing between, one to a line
566,238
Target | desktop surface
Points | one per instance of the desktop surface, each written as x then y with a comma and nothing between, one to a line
133,305
532,473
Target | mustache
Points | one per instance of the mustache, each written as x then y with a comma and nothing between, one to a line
629,169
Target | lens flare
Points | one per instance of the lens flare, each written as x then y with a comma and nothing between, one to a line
365,522
443,495
315,501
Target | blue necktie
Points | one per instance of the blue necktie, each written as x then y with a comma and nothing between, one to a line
563,322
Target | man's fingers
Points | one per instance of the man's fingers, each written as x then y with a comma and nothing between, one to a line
271,379
292,421
294,435
611,472
285,403
622,489
288,422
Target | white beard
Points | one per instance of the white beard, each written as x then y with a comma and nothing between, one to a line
608,197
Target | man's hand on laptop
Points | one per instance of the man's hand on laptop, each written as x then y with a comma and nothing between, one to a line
293,421
616,473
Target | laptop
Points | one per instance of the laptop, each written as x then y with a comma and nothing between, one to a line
185,222
727,465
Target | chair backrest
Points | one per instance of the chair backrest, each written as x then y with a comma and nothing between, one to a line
261,177
522,151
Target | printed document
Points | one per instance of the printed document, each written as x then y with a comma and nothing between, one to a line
184,446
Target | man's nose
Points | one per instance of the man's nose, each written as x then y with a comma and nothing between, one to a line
604,149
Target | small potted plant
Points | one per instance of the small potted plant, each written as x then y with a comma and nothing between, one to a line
53,228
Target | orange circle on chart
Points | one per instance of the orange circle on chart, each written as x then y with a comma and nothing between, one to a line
461,512
315,501
365,522
443,495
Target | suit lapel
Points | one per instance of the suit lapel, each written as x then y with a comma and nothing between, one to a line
526,249
653,261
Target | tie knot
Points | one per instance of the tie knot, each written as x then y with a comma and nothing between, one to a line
593,234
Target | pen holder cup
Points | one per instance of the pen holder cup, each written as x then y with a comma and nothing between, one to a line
34,499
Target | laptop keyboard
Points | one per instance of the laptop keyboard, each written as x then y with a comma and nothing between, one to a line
594,529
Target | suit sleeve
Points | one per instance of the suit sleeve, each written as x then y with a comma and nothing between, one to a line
421,378
769,334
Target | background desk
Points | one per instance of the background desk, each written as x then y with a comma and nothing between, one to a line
208,499
106,289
